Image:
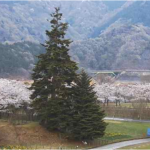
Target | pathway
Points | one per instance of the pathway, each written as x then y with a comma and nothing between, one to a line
122,144
126,119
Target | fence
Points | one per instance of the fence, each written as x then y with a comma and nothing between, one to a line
23,116
18,117
131,113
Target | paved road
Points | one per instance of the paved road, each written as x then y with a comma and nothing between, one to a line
122,144
126,119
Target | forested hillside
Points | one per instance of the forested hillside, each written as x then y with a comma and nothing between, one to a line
106,35
122,46
27,20
18,59
21,21
133,11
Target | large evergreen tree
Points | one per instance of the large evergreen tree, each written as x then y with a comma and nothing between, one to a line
87,119
52,75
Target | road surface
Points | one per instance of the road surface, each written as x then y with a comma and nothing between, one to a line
122,144
126,119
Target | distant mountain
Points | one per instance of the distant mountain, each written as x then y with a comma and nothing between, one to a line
135,12
27,20
121,46
21,21
18,59
113,5
106,34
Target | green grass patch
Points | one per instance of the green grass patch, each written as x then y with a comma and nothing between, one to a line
117,137
118,131
132,129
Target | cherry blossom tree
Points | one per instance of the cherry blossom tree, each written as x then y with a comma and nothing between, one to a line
13,92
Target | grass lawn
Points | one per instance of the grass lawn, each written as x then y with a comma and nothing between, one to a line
119,131
32,134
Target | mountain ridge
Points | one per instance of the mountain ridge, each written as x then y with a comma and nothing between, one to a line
105,36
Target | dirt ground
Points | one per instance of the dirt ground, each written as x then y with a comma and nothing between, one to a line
33,135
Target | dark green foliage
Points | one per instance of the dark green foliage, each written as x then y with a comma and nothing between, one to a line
88,121
52,75
18,59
